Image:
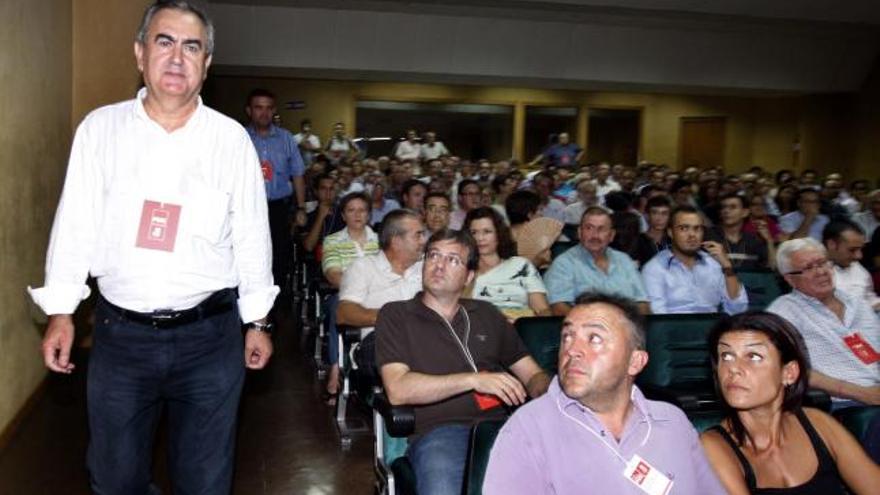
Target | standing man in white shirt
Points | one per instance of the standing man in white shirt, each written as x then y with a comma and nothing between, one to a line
431,148
309,143
409,148
164,205
844,241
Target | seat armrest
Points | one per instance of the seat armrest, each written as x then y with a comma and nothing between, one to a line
400,421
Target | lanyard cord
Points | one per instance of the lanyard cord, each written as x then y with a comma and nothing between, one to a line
467,335
601,439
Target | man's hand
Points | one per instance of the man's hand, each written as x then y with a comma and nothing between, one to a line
502,385
257,349
716,250
763,230
57,343
301,218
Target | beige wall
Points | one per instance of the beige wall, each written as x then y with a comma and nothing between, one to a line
35,95
760,131
104,69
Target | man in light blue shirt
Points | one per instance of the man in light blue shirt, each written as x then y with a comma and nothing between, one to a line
806,220
283,169
593,266
692,276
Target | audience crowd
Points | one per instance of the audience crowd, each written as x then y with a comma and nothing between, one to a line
531,238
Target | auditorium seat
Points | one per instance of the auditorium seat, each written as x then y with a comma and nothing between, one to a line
762,287
540,334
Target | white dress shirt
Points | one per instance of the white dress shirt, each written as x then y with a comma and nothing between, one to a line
407,150
208,168
371,282
857,282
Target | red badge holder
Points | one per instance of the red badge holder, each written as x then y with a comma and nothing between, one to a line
158,227
861,348
268,170
486,402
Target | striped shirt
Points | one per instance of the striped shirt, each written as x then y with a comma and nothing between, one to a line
824,334
340,250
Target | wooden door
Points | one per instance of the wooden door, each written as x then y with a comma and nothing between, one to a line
702,142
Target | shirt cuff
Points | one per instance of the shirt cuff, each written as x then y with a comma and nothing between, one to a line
59,299
257,303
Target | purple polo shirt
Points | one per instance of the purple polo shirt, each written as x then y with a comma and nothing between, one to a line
545,447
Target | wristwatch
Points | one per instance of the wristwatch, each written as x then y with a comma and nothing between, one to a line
261,327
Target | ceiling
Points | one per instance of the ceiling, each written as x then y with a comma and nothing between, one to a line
724,47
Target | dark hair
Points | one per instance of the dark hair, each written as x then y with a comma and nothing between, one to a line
681,210
520,204
733,195
303,122
467,182
627,228
596,211
498,182
658,202
438,194
626,306
618,201
258,93
787,340
391,225
679,184
804,190
782,172
409,184
316,181
462,237
184,6
837,227
647,189
348,198
506,244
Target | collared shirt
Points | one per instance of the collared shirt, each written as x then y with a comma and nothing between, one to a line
868,222
127,182
554,444
562,155
371,282
378,214
790,222
407,150
675,288
823,334
339,250
430,151
575,271
313,141
279,159
602,190
857,282
554,209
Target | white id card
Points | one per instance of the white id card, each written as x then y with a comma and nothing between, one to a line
646,476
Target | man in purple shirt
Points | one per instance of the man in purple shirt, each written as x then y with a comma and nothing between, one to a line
594,431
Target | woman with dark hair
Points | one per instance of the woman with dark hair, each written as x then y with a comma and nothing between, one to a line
768,443
510,282
786,198
533,233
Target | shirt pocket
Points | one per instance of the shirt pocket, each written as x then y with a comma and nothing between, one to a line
209,219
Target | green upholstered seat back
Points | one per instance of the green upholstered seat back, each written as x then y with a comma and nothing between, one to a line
857,419
560,247
762,287
678,351
482,440
541,335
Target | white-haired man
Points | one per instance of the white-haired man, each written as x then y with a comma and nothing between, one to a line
841,332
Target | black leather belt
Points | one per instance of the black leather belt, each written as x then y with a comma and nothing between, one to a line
217,303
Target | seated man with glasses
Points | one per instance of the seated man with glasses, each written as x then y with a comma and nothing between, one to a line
692,276
841,332
456,360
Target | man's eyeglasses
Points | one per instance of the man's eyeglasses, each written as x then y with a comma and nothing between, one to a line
452,260
812,268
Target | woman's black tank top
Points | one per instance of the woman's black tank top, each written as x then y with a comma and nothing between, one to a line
826,481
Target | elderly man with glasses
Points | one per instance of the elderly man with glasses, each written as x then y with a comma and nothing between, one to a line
841,332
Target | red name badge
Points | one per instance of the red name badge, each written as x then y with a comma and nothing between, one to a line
861,348
158,228
486,401
268,171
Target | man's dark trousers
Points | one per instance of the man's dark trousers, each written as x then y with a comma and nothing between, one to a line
195,371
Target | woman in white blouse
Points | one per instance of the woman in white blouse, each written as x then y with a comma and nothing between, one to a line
511,283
